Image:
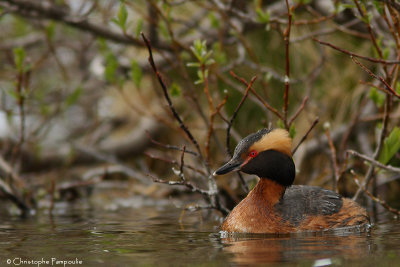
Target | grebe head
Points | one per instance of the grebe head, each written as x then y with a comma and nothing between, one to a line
266,153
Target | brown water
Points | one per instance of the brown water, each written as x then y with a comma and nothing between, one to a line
149,236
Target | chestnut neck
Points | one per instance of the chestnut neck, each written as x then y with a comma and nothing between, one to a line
270,191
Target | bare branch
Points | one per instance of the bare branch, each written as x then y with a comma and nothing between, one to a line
22,205
44,10
9,170
286,37
181,175
166,95
302,106
389,90
374,198
169,146
374,162
334,160
228,130
306,135
185,183
375,60
378,148
111,159
266,105
172,161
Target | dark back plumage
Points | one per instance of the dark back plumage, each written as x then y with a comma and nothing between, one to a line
300,201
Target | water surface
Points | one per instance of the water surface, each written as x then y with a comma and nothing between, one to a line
153,235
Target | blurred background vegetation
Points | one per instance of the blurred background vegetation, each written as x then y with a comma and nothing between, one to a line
82,109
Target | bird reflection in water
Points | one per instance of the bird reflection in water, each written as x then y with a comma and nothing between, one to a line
273,248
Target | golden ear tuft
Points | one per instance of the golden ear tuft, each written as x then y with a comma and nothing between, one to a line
277,139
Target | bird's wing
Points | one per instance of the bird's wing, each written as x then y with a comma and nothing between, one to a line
299,201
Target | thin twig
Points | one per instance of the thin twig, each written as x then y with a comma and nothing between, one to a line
378,148
382,202
374,162
346,28
181,175
111,159
198,207
192,188
175,162
306,135
9,170
166,95
169,146
21,93
374,198
41,10
228,130
286,36
314,21
188,184
363,14
302,106
393,3
354,120
211,124
22,205
334,160
266,105
375,60
51,192
390,90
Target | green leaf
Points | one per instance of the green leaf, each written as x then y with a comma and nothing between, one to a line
19,58
200,76
175,90
268,76
281,124
386,53
263,16
50,30
162,27
72,98
377,97
116,21
111,68
209,61
292,131
122,15
45,110
13,94
139,27
391,145
303,2
199,49
398,87
219,54
213,20
341,7
167,11
193,64
136,73
102,45
367,19
379,6
205,75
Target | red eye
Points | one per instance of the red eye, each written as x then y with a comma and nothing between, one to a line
253,153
